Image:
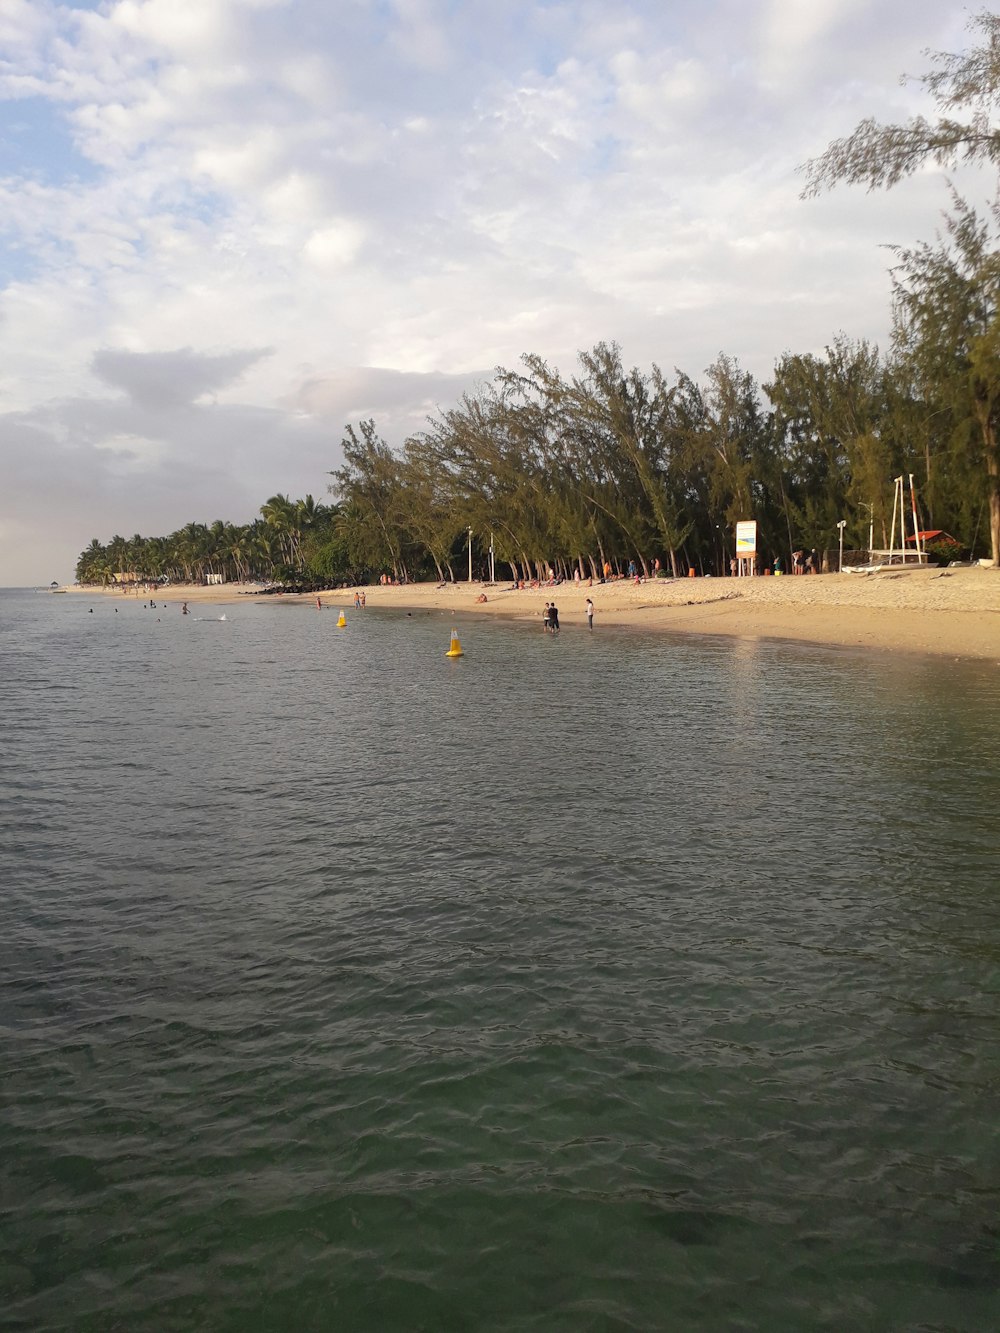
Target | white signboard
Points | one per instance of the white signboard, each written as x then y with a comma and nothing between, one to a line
746,537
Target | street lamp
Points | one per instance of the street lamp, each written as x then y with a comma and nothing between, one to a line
841,525
470,554
493,574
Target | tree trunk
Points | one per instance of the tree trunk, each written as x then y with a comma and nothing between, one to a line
603,558
993,472
992,479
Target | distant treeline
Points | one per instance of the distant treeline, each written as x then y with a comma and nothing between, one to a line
611,465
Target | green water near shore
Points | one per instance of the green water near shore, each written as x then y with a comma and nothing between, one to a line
603,982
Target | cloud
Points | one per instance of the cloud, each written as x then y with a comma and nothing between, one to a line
159,381
334,245
363,391
390,198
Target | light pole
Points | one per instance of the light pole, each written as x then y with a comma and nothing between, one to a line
470,554
841,525
493,574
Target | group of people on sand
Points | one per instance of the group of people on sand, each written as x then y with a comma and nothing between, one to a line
521,585
805,562
605,575
634,574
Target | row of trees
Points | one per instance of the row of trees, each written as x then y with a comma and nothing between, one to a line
563,472
617,465
610,464
292,541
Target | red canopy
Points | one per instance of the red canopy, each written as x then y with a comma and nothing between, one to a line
933,533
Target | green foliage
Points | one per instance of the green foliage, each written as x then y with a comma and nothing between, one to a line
610,465
880,156
946,304
947,331
942,551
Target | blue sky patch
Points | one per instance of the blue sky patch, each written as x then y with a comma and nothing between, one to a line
35,142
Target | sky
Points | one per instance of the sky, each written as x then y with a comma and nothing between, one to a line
230,227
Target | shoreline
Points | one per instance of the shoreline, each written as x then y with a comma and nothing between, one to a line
941,612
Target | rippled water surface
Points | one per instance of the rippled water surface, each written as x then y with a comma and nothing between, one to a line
593,983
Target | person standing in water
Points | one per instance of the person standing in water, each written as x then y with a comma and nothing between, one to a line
590,613
554,618
184,609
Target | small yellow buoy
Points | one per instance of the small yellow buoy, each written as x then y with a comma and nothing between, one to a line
456,648
342,622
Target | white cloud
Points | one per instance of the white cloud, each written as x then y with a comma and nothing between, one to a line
335,245
23,26
185,28
421,36
794,35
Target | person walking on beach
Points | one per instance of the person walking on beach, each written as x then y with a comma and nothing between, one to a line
590,614
554,618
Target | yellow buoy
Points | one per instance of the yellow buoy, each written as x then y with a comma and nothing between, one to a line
456,648
341,623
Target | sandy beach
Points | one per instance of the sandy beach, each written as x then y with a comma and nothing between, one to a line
950,612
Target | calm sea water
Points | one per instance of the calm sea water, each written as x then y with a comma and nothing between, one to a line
601,983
